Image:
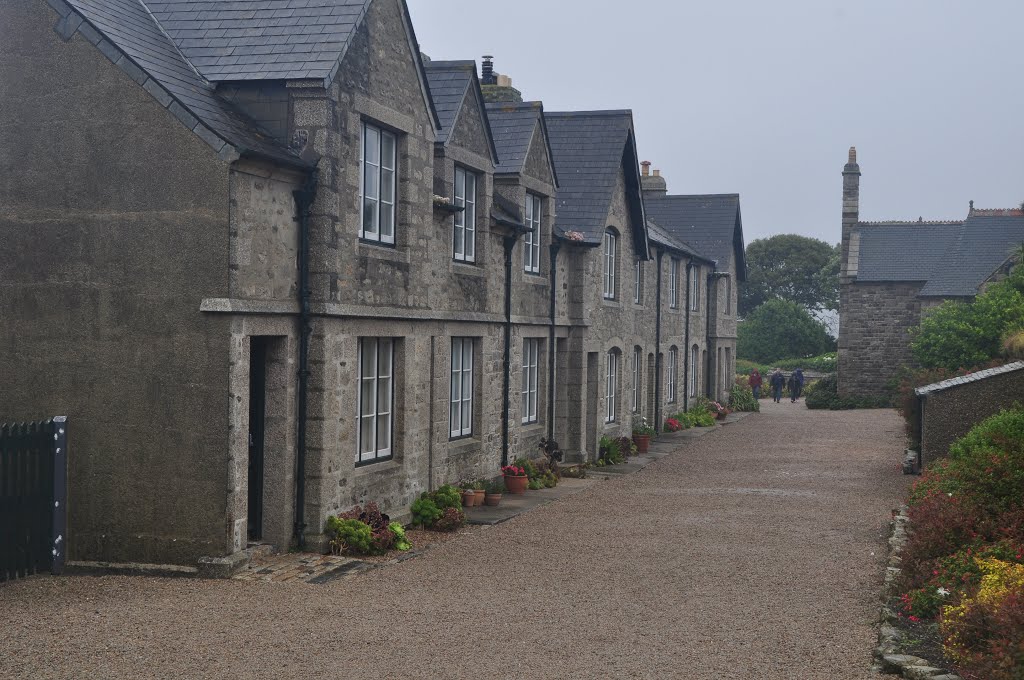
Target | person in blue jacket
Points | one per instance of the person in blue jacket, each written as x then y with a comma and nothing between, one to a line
777,381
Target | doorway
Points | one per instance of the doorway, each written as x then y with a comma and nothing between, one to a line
257,434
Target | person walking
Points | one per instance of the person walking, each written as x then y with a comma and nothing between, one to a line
792,387
777,381
755,381
799,380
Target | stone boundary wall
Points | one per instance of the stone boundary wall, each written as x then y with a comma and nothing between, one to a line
951,408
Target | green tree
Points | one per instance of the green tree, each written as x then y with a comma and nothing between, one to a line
966,334
790,267
780,329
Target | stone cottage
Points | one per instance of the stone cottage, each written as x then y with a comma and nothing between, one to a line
893,272
272,263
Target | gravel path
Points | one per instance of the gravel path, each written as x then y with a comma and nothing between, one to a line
754,552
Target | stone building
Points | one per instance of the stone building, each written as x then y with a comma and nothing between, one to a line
893,272
275,263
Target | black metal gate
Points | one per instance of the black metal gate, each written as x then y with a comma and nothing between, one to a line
33,497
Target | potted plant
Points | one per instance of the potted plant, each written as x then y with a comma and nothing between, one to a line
480,491
468,495
642,434
494,492
515,479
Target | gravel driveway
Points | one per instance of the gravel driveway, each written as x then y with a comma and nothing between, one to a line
754,552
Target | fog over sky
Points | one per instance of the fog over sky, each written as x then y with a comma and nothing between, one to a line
764,98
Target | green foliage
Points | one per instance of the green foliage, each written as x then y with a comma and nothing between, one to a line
402,542
451,520
823,394
790,267
425,512
447,496
779,329
531,468
611,451
999,431
497,487
350,536
825,363
741,398
958,334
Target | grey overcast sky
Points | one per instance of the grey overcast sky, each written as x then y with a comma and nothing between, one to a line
765,98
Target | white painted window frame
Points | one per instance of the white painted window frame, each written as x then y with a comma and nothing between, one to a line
377,198
376,355
460,412
464,232
530,375
531,242
611,391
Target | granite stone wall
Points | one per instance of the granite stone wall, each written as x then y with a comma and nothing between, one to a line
114,229
949,414
874,338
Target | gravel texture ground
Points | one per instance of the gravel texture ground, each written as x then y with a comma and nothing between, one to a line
754,552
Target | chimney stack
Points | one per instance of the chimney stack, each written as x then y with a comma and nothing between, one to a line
496,87
849,261
653,185
487,75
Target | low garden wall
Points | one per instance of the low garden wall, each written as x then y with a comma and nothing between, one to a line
949,409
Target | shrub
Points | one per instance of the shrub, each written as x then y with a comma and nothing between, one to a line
450,520
1005,430
700,416
984,634
956,334
824,394
425,512
673,425
741,398
529,466
401,541
382,538
349,536
779,329
611,451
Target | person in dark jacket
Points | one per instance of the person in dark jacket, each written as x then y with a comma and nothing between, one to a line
792,387
755,381
799,377
777,381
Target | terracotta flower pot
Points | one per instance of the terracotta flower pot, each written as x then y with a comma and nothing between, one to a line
492,499
468,499
516,485
480,494
642,441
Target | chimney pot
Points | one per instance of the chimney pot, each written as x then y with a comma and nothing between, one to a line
657,173
853,155
645,168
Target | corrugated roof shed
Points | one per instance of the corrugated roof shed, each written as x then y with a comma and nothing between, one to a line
711,223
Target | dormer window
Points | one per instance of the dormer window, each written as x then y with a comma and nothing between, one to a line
464,248
531,243
611,246
377,182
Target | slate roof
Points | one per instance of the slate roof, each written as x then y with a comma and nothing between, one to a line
451,84
119,27
953,259
881,244
710,223
261,39
661,237
512,128
966,379
590,149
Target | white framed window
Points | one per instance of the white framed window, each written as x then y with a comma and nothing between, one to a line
610,250
670,374
636,379
674,284
531,242
611,390
694,370
377,184
531,353
376,399
695,288
464,247
461,411
638,283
